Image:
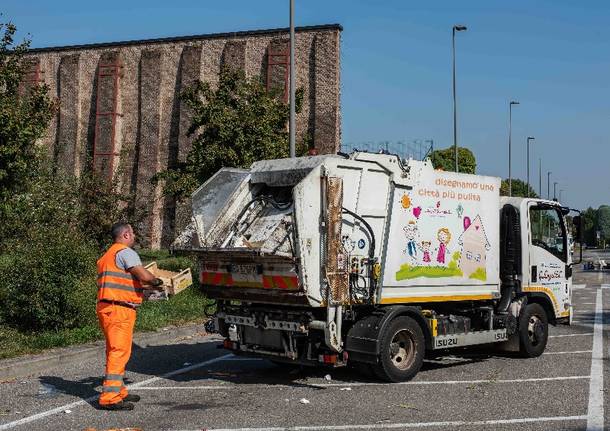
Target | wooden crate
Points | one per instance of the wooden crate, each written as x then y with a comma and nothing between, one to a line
173,282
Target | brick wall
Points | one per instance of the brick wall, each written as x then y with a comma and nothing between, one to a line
119,104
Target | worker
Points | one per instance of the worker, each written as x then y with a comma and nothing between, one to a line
121,280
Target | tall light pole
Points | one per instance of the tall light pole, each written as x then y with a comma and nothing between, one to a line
292,90
529,138
510,126
548,185
540,177
455,147
555,191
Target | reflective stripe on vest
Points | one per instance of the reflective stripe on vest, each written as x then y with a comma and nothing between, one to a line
115,284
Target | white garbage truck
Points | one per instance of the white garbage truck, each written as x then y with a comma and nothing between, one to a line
369,260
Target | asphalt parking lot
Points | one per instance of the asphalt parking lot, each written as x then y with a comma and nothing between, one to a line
189,384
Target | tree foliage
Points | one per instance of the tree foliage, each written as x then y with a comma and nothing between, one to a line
589,221
235,124
445,160
519,189
25,114
603,222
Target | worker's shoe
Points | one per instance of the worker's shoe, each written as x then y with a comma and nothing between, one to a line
132,398
121,405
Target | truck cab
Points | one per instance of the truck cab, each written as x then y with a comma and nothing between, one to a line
547,260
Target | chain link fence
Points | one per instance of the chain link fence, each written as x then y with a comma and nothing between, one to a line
417,149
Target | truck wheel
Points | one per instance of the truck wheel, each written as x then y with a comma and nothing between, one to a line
402,348
533,331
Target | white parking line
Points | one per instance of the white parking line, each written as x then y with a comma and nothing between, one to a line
355,384
567,353
411,424
572,335
70,406
578,286
595,411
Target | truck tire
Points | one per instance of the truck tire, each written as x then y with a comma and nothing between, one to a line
402,348
533,331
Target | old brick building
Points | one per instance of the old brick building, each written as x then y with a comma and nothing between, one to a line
118,104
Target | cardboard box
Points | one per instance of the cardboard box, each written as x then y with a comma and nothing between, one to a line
173,282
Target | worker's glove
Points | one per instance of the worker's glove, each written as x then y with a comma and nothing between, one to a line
158,283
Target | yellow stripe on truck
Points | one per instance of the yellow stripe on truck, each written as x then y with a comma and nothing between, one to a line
408,299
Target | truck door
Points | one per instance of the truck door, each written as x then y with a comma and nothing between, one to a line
550,272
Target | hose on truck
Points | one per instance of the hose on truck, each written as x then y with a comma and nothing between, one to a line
372,282
280,206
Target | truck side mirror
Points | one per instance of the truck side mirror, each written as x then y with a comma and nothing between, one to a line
577,221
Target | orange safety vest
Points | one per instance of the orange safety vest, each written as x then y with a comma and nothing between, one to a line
115,284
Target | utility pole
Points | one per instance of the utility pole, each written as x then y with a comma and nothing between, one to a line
455,147
540,177
292,124
529,138
510,125
555,191
548,185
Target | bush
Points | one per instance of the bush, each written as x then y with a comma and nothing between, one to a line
51,236
49,282
177,264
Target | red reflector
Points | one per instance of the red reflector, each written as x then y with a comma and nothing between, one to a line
228,344
330,359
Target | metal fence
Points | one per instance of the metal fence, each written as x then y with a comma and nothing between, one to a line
417,149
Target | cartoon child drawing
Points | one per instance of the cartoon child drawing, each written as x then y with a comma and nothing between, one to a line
425,248
411,233
444,236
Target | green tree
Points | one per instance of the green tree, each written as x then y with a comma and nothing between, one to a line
519,188
589,221
445,160
24,115
603,223
235,124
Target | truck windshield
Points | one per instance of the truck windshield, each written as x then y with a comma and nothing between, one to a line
547,230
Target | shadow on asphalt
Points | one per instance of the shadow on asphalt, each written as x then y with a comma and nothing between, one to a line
159,360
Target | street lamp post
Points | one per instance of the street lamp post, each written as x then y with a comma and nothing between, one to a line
529,138
555,190
292,125
510,125
455,148
548,185
540,177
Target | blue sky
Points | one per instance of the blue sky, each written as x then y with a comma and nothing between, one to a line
552,56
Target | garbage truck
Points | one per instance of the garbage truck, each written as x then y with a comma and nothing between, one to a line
377,262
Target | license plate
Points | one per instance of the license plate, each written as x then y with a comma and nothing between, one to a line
244,269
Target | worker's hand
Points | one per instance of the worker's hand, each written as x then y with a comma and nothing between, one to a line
157,283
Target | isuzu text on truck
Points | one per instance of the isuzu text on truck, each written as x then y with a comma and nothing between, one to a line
367,260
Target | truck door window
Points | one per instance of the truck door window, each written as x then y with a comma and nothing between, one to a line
547,231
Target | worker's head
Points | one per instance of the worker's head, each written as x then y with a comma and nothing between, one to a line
122,233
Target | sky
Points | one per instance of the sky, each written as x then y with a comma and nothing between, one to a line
396,84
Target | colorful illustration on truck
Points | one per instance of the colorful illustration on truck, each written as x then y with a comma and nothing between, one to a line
474,245
407,271
443,232
443,256
411,233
